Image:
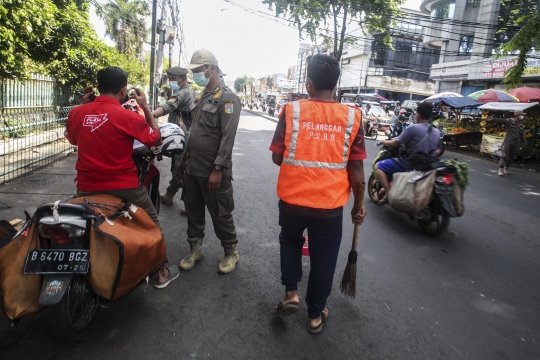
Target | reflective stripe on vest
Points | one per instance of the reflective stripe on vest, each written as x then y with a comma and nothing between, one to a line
290,160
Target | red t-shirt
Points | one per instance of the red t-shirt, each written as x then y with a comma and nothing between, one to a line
358,149
104,133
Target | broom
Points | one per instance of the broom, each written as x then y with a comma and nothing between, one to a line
348,281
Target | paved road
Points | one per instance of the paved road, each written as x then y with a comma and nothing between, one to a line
470,294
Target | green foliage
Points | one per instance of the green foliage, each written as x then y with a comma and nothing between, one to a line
125,23
241,82
519,32
138,72
318,18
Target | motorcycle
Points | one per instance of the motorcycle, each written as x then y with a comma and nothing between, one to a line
263,107
373,128
271,110
435,217
250,106
63,255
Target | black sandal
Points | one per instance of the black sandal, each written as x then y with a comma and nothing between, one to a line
283,311
319,328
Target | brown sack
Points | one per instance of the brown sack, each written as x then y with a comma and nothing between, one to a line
123,254
19,293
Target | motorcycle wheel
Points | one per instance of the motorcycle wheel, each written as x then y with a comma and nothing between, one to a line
70,319
373,189
374,134
437,225
440,151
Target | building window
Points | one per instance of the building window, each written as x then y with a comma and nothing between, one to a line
473,3
466,44
444,11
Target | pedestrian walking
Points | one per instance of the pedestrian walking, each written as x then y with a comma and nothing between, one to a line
178,107
514,134
319,146
207,163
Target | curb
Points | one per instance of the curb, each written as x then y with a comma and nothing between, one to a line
261,115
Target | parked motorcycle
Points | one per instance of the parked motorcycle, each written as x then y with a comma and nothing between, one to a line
435,217
62,257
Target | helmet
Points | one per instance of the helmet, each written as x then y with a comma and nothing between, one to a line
173,139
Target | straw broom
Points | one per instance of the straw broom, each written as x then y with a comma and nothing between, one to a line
348,281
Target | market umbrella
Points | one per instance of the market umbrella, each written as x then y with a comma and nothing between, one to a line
490,95
526,94
381,98
438,97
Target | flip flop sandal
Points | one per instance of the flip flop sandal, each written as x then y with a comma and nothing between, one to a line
283,311
174,272
319,328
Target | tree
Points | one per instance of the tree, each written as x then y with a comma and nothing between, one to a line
125,23
519,32
312,18
240,83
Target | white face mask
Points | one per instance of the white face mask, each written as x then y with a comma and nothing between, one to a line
200,79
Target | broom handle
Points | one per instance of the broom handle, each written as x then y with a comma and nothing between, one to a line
359,203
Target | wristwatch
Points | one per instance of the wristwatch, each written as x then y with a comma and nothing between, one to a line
219,167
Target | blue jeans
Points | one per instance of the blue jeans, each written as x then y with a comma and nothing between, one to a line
324,241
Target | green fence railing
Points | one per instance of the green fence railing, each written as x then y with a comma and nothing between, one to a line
33,115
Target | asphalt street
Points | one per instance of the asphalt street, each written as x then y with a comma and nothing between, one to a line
472,293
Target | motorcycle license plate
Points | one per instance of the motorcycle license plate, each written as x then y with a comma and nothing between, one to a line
55,261
444,190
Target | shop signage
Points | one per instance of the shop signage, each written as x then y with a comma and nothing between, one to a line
450,72
497,69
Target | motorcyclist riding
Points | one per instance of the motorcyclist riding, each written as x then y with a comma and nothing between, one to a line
104,133
420,137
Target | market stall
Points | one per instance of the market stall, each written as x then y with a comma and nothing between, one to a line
493,133
462,129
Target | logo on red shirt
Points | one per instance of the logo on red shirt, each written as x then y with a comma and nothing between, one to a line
95,121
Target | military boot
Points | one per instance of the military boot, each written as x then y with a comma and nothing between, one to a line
168,197
195,254
231,258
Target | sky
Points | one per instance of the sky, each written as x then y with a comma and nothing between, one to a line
244,42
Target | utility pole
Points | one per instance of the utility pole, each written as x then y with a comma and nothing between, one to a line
171,48
153,56
161,44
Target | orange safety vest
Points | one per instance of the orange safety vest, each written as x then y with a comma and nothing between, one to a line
318,139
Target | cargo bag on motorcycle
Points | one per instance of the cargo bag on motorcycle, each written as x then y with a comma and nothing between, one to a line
411,191
125,247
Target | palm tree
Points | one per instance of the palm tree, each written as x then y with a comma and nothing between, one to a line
125,23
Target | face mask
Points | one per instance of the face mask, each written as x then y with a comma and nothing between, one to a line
200,79
521,117
174,85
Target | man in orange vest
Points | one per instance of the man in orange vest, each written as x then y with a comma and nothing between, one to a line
319,145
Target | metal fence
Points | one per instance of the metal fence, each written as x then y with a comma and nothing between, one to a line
33,115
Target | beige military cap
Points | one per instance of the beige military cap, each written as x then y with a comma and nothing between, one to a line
200,58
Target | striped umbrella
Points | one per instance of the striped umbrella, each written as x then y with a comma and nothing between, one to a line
490,95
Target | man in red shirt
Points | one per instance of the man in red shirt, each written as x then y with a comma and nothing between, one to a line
104,132
319,146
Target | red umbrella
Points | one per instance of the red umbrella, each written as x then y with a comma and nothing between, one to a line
526,94
381,98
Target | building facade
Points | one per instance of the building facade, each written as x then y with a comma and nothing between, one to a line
398,72
467,34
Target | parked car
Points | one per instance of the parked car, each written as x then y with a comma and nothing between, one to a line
410,105
383,119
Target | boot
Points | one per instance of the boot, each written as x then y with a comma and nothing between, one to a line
167,198
231,258
195,254
501,172
505,170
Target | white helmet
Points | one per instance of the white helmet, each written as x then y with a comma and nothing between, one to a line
173,139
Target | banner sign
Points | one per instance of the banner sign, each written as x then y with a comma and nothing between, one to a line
496,70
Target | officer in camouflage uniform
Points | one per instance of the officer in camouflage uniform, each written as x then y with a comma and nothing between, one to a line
179,108
207,163
514,134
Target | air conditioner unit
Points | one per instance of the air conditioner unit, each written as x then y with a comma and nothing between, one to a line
394,81
401,82
429,86
409,81
386,79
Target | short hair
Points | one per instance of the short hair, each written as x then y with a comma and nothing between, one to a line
323,70
424,110
111,80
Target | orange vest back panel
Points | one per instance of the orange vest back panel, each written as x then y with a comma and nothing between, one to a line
318,139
